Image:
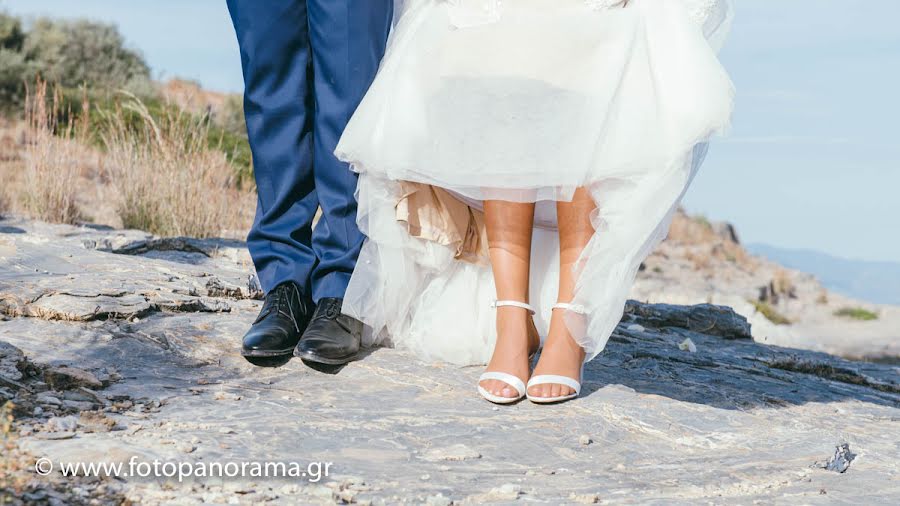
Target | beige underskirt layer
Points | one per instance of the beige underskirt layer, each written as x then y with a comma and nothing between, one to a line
434,214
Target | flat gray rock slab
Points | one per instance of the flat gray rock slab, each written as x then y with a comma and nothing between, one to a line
733,422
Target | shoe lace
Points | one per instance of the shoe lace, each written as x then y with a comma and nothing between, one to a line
333,309
282,302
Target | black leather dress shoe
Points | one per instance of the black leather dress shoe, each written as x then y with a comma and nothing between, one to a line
332,338
281,322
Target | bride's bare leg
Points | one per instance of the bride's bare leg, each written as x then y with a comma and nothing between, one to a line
562,355
509,230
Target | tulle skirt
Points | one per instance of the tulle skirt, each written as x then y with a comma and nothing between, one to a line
526,105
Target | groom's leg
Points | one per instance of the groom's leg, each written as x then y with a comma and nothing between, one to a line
348,39
275,54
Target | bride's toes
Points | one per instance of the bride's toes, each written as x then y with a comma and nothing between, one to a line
499,388
556,390
549,390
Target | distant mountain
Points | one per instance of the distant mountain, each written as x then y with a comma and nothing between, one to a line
877,282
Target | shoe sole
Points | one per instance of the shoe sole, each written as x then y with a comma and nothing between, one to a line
318,359
552,400
266,353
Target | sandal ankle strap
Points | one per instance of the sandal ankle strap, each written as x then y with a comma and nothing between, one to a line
575,308
513,303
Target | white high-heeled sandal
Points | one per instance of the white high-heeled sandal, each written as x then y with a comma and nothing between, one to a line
507,378
554,379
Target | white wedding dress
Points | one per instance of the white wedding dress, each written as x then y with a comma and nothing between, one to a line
527,100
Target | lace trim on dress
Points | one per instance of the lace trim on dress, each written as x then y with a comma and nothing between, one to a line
700,10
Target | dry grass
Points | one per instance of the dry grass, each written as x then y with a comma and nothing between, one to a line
11,461
153,171
52,152
10,165
168,181
18,479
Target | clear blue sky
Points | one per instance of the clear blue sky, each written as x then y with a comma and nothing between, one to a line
813,160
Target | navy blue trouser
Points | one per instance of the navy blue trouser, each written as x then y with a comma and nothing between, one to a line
307,65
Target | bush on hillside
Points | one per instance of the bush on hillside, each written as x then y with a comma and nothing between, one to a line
73,53
11,34
13,67
13,71
69,53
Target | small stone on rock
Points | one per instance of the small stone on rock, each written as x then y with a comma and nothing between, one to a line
584,498
452,453
78,405
688,345
840,461
65,378
226,396
507,492
438,500
61,424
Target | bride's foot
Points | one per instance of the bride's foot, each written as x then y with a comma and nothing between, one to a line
561,357
517,342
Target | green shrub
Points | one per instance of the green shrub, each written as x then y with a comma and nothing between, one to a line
703,221
73,53
770,313
13,74
11,34
856,313
68,53
231,117
229,133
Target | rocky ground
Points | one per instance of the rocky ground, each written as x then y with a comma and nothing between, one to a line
117,347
